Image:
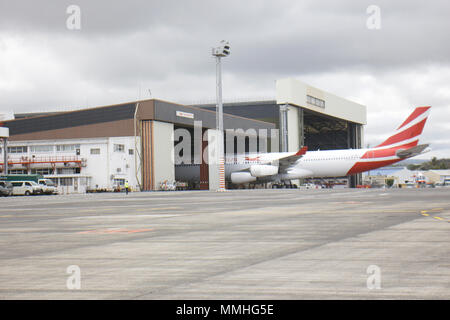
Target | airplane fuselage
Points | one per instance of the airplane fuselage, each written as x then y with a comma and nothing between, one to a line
319,164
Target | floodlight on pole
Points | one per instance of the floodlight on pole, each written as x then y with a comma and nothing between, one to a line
223,50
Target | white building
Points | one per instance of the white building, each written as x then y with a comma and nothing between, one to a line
77,164
438,176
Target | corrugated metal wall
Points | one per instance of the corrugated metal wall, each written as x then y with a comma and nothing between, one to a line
147,155
204,167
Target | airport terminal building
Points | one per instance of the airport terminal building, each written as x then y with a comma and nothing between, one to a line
102,147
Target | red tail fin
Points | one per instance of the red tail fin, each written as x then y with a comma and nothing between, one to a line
411,128
302,151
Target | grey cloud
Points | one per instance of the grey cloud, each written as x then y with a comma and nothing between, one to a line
282,37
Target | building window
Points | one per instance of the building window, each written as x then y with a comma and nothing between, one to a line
66,181
315,101
67,147
21,149
46,148
83,181
95,151
17,171
42,171
119,148
130,152
67,170
119,182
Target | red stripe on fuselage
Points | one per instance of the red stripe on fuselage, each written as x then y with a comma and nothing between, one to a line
366,166
414,115
409,133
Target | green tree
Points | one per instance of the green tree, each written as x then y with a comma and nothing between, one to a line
390,182
413,167
434,161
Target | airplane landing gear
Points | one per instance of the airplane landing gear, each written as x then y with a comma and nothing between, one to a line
284,185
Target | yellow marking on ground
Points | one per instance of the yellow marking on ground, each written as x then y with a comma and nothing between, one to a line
434,210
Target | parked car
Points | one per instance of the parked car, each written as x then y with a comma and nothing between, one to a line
6,188
26,188
48,186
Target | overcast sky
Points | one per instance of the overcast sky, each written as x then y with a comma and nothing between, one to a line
123,49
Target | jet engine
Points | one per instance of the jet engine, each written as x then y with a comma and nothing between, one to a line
242,177
262,170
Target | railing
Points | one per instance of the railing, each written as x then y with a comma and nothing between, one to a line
50,159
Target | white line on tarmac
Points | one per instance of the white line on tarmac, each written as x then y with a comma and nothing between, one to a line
128,217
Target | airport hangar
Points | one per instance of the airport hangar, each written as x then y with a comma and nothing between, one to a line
99,148
307,116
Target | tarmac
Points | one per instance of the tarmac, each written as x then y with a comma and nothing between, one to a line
239,244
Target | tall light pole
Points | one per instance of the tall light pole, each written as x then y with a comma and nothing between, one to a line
223,50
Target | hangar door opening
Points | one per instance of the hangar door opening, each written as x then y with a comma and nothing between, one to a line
191,167
326,133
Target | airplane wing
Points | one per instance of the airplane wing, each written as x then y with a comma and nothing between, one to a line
287,162
283,163
411,152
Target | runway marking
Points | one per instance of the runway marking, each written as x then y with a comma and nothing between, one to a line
425,214
88,209
350,202
132,216
160,208
112,231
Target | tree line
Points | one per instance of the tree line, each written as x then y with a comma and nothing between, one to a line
433,164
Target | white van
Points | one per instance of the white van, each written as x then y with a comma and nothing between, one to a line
48,186
25,188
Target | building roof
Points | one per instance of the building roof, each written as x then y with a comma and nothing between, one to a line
118,120
294,92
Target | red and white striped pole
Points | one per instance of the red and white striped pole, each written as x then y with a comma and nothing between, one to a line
222,174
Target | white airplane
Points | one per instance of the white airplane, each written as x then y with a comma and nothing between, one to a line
282,166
